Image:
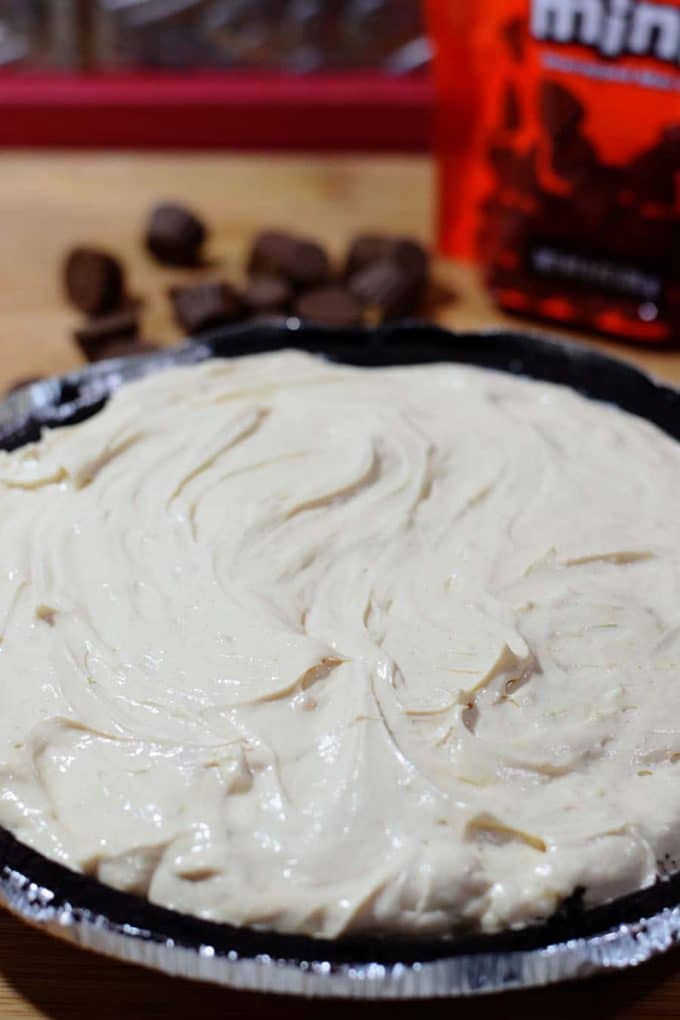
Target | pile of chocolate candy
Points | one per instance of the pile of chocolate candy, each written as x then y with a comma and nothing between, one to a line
382,278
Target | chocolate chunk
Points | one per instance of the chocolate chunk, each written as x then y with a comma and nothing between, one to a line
103,329
511,116
202,305
267,294
559,109
366,249
301,262
93,280
122,349
387,290
19,384
267,319
411,257
175,235
329,306
513,32
124,322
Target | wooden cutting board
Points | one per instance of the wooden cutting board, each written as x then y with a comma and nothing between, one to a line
49,202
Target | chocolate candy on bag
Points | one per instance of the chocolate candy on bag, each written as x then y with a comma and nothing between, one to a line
512,114
565,183
512,32
558,109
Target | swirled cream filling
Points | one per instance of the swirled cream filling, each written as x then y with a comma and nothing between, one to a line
325,649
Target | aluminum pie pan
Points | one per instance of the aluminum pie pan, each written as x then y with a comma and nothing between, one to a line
575,943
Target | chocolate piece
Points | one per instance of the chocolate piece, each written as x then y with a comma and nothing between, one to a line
559,109
410,256
19,384
267,294
301,262
122,349
124,322
267,319
175,235
207,304
93,280
366,249
329,306
511,116
387,290
102,329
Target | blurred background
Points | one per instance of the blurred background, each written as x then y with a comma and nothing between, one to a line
539,189
184,73
299,36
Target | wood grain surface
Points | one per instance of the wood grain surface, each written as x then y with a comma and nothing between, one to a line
49,202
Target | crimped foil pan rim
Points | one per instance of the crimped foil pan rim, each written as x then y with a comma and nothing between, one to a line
84,911
623,946
458,976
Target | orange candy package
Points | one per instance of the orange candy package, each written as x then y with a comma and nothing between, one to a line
558,141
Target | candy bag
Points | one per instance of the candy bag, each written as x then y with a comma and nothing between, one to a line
558,144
